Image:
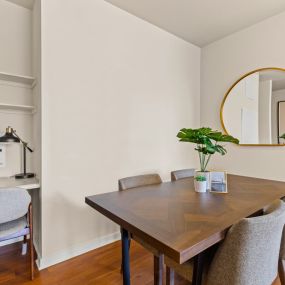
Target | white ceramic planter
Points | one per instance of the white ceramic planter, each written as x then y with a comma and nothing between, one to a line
200,186
207,175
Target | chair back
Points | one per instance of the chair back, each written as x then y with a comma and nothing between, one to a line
281,265
250,251
14,204
139,181
181,174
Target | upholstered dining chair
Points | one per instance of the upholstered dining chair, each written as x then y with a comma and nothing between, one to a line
181,174
137,182
16,219
248,255
281,264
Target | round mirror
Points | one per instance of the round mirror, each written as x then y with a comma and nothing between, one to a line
253,110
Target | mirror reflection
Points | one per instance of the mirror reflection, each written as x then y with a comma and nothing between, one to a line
254,108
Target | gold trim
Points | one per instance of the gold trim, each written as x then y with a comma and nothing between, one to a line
231,88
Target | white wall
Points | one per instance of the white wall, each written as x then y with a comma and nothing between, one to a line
16,39
37,130
223,62
115,92
15,58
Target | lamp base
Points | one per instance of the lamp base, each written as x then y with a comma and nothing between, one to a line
24,175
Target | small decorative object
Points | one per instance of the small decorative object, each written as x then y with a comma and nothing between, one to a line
200,184
11,137
219,182
206,141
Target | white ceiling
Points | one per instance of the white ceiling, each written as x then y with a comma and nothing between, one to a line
202,21
24,3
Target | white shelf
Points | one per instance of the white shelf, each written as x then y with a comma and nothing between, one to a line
12,107
16,78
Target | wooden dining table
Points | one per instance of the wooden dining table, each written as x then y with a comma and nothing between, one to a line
180,223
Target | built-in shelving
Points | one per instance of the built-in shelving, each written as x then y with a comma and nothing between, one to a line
16,78
12,107
20,81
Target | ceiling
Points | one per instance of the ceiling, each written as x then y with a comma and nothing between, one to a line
24,3
202,21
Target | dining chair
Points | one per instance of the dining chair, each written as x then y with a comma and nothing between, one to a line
181,174
137,182
247,256
16,219
281,264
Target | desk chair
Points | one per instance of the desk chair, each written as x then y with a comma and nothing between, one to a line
137,182
181,174
16,218
249,253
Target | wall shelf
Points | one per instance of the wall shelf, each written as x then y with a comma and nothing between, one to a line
16,78
12,107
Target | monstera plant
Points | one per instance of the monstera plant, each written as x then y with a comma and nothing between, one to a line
207,143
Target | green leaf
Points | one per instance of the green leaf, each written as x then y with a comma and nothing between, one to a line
282,136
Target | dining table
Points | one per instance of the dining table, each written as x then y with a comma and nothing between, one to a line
179,222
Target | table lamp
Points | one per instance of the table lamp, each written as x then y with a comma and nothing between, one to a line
11,137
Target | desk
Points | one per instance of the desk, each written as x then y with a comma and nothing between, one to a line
28,183
179,222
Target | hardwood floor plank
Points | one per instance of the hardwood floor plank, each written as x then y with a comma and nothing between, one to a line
98,267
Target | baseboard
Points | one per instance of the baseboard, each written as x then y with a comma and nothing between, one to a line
74,251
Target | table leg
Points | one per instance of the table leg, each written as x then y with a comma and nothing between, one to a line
198,269
125,257
170,276
158,269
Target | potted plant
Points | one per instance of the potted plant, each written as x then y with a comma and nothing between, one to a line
207,144
200,184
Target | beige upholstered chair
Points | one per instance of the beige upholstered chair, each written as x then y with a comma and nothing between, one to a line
281,264
248,255
181,174
16,218
137,182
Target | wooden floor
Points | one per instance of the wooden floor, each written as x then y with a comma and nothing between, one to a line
100,267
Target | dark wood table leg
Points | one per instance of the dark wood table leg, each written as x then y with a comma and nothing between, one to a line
170,276
198,268
125,257
158,269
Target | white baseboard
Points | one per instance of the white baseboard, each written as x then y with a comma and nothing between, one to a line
74,251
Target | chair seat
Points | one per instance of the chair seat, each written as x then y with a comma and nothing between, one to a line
10,228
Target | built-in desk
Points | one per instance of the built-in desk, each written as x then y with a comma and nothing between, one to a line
28,183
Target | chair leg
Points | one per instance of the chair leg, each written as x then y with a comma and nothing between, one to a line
170,276
24,246
32,257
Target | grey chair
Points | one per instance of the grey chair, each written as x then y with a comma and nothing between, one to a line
248,255
137,182
181,174
281,264
16,218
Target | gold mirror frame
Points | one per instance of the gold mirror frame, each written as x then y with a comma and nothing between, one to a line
229,91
